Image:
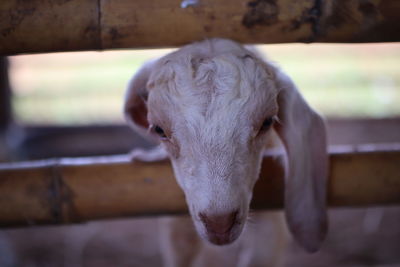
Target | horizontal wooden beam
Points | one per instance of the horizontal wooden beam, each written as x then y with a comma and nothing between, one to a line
76,190
55,25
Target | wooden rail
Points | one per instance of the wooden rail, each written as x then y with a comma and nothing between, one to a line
76,190
59,25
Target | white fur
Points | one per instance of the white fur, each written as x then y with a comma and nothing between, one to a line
211,99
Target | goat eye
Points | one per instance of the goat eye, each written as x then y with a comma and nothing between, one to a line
267,124
158,130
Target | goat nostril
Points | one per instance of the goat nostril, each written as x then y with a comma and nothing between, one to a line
203,217
219,223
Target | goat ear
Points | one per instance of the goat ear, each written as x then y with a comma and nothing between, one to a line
303,134
135,108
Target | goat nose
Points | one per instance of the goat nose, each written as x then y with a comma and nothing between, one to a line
219,223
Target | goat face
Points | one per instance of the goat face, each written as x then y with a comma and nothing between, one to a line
212,105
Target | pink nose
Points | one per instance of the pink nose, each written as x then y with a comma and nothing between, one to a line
218,226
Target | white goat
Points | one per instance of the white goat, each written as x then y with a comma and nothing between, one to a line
213,105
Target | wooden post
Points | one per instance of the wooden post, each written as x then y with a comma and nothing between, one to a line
5,108
67,191
54,25
5,95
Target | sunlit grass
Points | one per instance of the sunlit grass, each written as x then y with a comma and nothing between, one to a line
337,80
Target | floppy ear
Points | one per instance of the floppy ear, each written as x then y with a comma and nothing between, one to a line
303,134
135,108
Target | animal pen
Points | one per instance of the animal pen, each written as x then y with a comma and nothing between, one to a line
66,190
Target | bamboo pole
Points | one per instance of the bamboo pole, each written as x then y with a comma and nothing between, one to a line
59,25
67,191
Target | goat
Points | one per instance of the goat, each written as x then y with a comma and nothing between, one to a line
213,105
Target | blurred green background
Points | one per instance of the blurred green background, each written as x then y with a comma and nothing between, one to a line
357,80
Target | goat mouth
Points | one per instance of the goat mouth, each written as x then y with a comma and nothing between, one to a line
223,238
219,239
